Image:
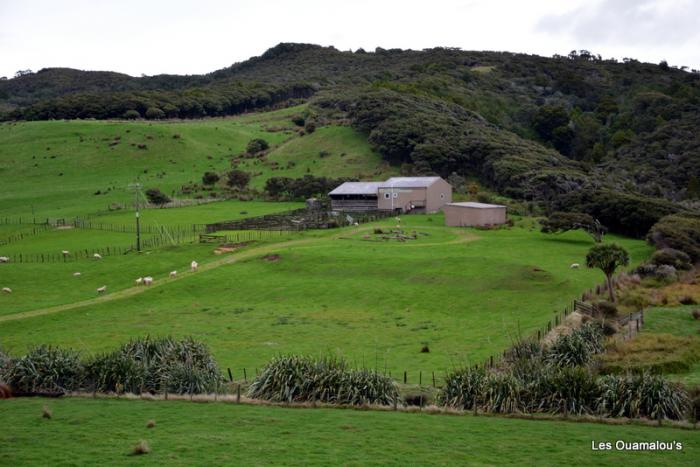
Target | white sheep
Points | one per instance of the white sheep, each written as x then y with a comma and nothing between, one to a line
6,290
139,281
65,253
194,265
97,256
76,274
4,259
148,280
101,290
173,273
574,266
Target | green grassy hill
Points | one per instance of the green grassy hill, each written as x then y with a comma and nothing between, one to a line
78,168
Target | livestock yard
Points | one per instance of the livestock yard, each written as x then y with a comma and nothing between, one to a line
407,298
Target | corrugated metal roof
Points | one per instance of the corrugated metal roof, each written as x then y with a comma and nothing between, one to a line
410,182
472,204
357,188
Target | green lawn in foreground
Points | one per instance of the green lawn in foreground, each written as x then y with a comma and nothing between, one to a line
103,432
466,294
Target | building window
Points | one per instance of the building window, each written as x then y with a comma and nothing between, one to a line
442,195
396,195
386,195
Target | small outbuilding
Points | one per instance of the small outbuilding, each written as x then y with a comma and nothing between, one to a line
471,214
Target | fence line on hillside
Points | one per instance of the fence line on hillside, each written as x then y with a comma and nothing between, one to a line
88,253
36,230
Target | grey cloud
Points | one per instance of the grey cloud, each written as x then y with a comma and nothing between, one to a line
653,23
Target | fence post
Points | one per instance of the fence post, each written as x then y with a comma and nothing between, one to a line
433,379
230,376
405,377
245,376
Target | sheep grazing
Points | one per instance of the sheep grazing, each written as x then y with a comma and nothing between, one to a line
76,274
102,289
173,273
97,256
148,280
139,281
4,259
574,266
194,265
6,290
65,253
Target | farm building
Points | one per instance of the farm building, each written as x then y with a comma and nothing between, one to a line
405,194
471,214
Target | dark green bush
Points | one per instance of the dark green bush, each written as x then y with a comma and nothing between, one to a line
237,178
577,348
45,369
328,379
680,232
463,388
131,114
155,365
606,308
641,395
671,257
157,197
210,178
256,145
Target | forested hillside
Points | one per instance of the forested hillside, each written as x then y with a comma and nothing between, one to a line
616,139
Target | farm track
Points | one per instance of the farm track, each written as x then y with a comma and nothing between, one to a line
463,237
131,291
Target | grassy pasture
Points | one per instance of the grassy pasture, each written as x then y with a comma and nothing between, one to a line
200,214
92,432
466,294
345,154
55,168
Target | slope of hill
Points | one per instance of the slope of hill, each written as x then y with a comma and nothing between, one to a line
70,168
537,128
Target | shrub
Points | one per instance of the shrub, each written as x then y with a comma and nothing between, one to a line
237,178
310,126
642,395
671,257
687,300
157,197
564,390
607,309
45,369
256,145
298,120
696,313
680,232
154,113
210,178
328,379
131,114
463,388
577,348
156,365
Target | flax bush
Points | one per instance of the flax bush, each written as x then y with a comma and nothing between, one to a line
328,379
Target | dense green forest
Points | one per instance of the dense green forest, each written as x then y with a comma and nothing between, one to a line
618,140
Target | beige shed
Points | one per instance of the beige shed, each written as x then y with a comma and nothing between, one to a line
472,214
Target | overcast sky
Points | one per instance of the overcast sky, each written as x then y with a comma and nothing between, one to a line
191,37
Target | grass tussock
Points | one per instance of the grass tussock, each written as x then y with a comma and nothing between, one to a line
151,424
46,412
140,448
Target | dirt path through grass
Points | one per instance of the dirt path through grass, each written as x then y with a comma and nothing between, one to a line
125,293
